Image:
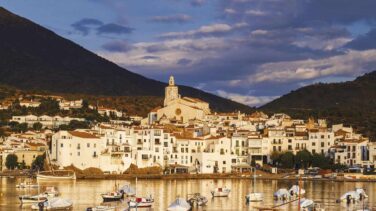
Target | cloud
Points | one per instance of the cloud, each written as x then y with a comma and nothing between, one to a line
246,99
206,30
255,12
352,63
197,3
112,28
184,61
117,46
179,18
364,42
85,25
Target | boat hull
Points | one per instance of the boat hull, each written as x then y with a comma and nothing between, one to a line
255,197
49,177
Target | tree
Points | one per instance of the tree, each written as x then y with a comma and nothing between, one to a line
11,161
287,160
22,127
303,158
275,157
37,126
48,106
321,161
38,163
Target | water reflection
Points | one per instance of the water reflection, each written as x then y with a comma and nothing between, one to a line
86,193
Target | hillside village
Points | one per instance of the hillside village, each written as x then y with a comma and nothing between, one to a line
182,135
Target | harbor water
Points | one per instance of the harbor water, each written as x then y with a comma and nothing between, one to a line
86,193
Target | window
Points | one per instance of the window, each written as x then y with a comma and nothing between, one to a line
61,145
289,147
78,146
165,144
322,144
224,162
88,145
290,140
78,153
95,145
313,144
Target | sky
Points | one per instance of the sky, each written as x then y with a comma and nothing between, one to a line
250,51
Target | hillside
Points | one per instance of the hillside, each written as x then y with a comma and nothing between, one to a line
35,58
352,102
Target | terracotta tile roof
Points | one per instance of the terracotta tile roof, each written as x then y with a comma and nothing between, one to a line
82,134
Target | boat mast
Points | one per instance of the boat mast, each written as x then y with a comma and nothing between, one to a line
300,188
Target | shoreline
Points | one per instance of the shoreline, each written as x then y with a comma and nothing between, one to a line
197,177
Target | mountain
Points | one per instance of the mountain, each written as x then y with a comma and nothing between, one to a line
352,102
35,58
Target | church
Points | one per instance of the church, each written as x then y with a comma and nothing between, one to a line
177,109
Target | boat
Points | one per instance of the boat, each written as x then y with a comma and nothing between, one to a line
362,193
307,204
294,191
281,194
254,196
310,205
141,202
220,192
198,199
112,196
29,199
179,204
101,208
56,175
53,204
128,190
27,185
51,191
353,196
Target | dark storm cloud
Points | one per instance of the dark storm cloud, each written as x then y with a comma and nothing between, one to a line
117,46
364,42
179,18
84,25
112,28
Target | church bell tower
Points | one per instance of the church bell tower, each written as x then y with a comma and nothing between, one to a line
171,91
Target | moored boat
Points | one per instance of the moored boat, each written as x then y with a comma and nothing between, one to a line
141,202
281,194
53,204
101,208
198,199
51,191
295,191
220,192
29,199
112,196
179,204
56,175
254,196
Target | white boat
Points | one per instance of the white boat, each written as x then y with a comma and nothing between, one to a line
294,191
354,196
128,190
281,194
53,204
27,185
56,175
307,204
51,191
254,196
29,199
198,200
101,208
141,202
361,192
179,204
112,196
220,192
351,196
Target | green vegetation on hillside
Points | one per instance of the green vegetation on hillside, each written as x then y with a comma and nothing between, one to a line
352,103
